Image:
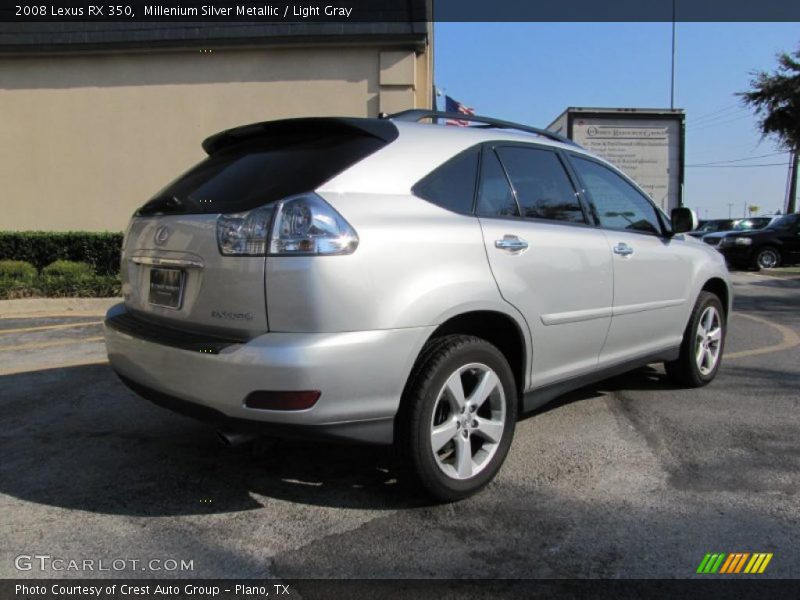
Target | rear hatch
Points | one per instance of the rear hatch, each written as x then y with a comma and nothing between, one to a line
173,272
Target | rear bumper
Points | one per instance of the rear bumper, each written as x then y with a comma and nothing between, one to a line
360,375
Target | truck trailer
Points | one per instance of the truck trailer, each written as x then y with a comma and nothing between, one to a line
647,144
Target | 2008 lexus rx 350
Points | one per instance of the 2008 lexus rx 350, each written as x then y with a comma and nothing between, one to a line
398,282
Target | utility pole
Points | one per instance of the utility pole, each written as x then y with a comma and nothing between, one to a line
730,207
791,195
672,78
744,210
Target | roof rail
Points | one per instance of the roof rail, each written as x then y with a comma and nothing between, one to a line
415,115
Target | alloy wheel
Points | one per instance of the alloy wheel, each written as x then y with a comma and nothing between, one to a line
708,340
468,421
767,259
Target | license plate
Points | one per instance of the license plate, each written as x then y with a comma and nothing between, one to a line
166,287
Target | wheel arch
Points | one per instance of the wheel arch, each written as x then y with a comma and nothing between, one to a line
720,288
499,329
775,245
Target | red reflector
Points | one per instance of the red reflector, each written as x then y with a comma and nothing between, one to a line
282,400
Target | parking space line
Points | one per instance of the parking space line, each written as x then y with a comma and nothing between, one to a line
54,315
50,344
52,366
49,327
790,338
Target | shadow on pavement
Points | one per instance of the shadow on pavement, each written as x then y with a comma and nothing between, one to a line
77,438
647,378
772,300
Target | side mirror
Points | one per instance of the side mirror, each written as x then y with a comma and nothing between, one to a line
683,220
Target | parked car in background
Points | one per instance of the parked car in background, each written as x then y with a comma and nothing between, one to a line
775,245
388,281
713,239
713,226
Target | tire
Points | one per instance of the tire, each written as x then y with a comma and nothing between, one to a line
767,257
428,402
692,369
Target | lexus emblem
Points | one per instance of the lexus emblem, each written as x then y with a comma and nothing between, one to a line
162,235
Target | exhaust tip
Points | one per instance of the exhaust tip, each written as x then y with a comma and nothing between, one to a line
232,439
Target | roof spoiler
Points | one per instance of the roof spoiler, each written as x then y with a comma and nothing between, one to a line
381,129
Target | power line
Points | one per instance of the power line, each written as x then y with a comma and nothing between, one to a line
716,112
719,115
708,121
708,125
735,160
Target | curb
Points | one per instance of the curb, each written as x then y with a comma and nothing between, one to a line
42,307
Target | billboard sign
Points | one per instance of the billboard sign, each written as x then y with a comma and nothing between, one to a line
648,151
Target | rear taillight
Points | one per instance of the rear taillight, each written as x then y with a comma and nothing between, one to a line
301,226
244,234
309,225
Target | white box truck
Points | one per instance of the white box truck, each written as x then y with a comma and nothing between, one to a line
646,144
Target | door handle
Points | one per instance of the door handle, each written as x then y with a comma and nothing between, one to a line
511,243
623,249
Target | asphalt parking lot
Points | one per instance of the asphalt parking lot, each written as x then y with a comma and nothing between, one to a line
629,478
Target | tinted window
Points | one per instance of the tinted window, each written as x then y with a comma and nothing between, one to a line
718,225
495,198
254,173
543,188
785,222
619,205
748,224
452,186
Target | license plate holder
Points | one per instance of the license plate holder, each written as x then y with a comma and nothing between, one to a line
166,288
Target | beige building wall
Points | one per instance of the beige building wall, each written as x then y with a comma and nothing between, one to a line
85,140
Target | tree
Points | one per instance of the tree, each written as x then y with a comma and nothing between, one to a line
775,98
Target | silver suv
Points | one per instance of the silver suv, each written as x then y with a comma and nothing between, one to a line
398,282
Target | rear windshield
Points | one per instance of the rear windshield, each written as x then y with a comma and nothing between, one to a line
716,226
257,172
749,224
784,222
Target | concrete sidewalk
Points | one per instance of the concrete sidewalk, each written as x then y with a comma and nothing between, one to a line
55,306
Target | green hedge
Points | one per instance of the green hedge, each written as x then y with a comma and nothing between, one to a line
93,286
59,279
17,270
40,248
68,268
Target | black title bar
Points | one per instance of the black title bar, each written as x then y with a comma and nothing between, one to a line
387,11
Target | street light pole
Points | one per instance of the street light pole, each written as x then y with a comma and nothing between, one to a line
672,78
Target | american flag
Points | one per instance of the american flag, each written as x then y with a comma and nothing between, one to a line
454,106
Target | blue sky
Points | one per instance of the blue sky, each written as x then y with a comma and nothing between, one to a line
530,72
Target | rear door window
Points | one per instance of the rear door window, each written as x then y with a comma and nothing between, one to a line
495,198
541,183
